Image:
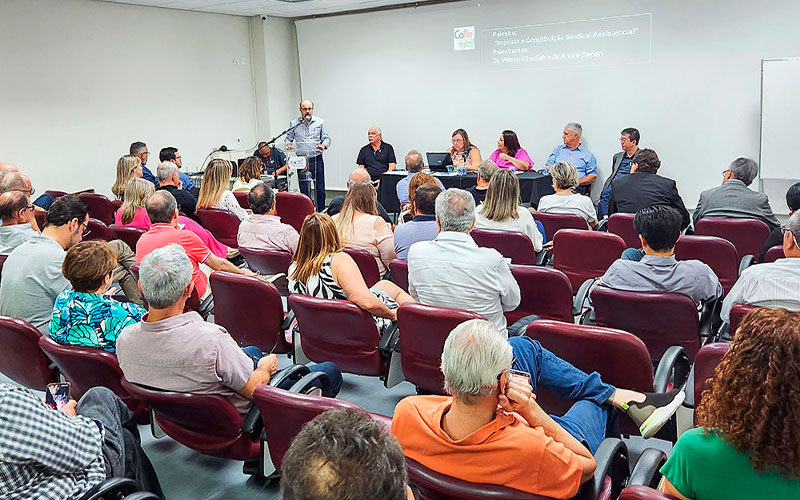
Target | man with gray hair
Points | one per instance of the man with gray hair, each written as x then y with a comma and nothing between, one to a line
169,180
486,170
357,175
574,152
178,351
139,150
264,230
734,199
414,165
517,445
377,156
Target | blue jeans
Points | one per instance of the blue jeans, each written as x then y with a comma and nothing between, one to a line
602,203
634,254
316,170
328,368
590,419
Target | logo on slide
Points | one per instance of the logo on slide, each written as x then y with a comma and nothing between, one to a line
464,38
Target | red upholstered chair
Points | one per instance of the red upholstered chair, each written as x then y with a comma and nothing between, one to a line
97,231
399,271
241,197
660,319
40,217
268,262
545,292
223,224
117,205
738,312
251,310
366,264
293,208
100,207
705,362
515,246
774,253
640,492
583,255
87,367
747,235
206,423
718,253
423,330
622,226
21,359
55,194
553,222
129,235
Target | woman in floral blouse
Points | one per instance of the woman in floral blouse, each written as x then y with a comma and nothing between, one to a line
86,316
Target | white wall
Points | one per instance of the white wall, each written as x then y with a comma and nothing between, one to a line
696,103
81,80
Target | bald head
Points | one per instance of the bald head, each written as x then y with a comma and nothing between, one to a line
358,175
5,169
161,207
15,181
13,205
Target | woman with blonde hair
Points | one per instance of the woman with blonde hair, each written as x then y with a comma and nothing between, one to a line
501,209
360,226
133,214
249,174
565,200
321,269
214,192
128,167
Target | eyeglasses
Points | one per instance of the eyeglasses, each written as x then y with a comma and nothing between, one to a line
785,230
87,232
28,191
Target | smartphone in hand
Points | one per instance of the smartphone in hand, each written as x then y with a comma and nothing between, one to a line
57,395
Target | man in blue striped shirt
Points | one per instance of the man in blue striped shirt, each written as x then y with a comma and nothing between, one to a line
573,152
309,137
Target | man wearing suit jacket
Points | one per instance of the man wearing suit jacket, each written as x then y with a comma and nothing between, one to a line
644,188
621,165
734,199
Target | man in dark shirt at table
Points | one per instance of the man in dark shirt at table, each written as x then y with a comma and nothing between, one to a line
274,161
377,156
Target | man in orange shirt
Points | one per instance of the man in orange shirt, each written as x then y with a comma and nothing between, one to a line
517,445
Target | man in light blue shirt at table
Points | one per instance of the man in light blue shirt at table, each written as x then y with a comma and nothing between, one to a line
309,137
414,165
573,152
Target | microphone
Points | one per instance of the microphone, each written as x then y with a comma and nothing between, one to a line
223,148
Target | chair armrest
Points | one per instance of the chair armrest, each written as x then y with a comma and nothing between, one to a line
389,338
688,402
612,460
707,315
252,425
601,225
288,376
142,495
206,307
313,380
581,296
287,321
673,364
747,261
121,485
646,471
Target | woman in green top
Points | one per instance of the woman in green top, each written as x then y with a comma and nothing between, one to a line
748,442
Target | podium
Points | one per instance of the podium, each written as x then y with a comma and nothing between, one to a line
297,166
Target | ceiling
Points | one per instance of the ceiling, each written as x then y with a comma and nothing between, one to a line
278,8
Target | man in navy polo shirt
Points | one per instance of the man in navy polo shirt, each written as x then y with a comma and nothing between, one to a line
377,156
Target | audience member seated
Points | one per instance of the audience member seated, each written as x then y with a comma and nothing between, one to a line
572,151
491,430
19,223
321,269
344,454
249,174
654,268
775,237
501,210
63,453
486,170
566,201
162,209
359,225
463,152
357,175
132,213
644,188
775,284
414,165
139,150
214,192
128,167
423,226
169,180
6,168
509,154
171,154
418,180
174,350
734,199
453,271
620,166
746,445
86,315
264,229
15,181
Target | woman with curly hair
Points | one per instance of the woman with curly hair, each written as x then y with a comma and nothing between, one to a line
748,442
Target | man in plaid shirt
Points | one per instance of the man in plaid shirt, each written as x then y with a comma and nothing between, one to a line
61,454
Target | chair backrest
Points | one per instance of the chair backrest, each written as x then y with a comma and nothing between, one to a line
660,319
293,208
40,217
21,359
594,348
223,224
423,330
622,225
97,231
705,362
284,413
738,313
129,235
241,197
545,292
553,222
99,207
747,235
399,271
55,194
268,262
516,246
366,264
583,255
250,309
774,253
718,253
338,331
639,492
